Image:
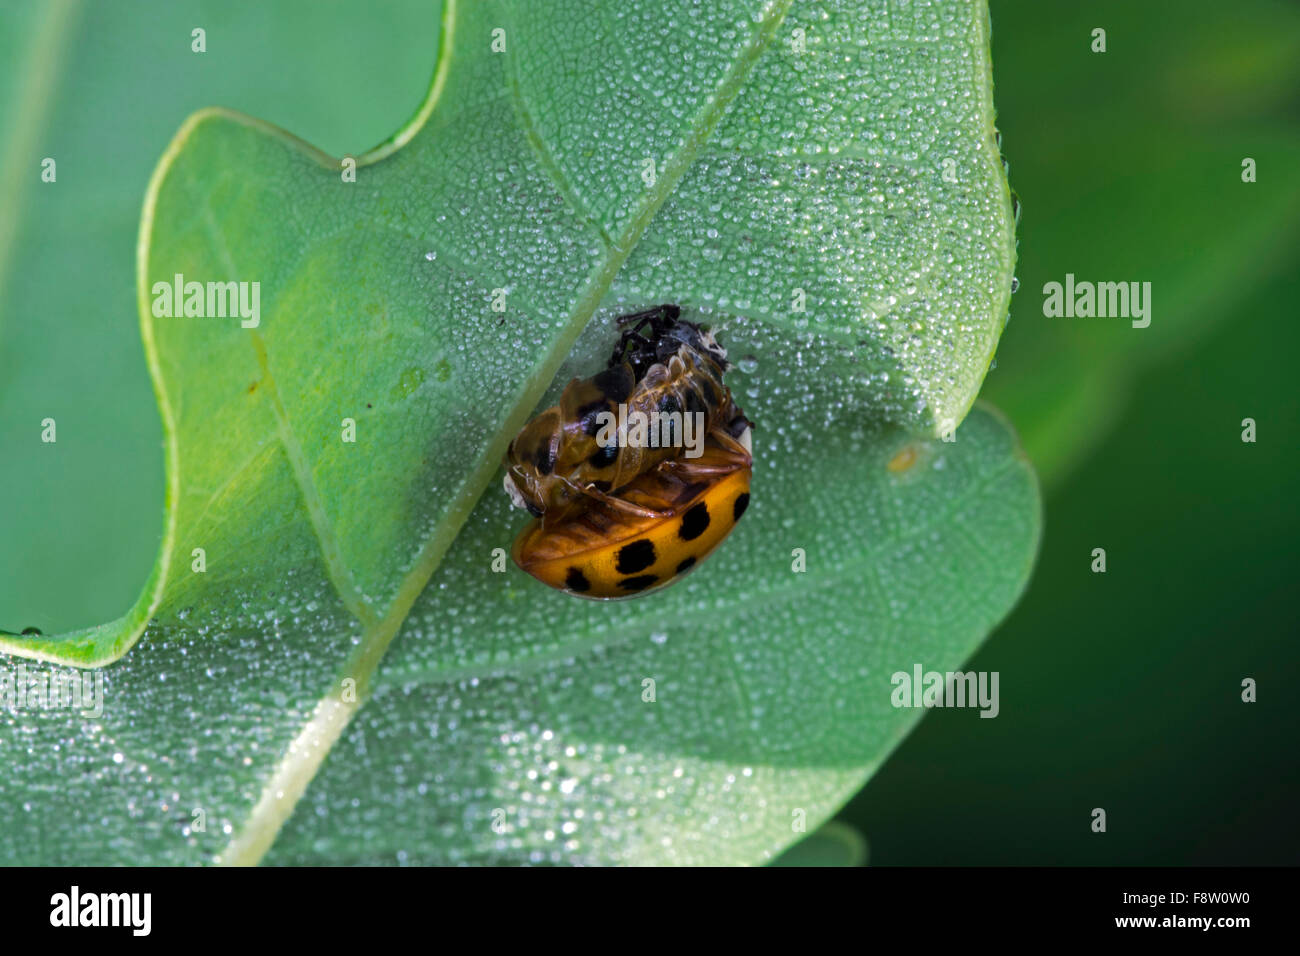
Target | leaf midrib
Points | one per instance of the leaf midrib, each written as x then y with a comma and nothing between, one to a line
289,779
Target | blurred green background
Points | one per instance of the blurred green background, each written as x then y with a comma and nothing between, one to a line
1122,690
1118,690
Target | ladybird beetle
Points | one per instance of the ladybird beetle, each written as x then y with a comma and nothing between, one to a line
607,551
617,517
661,366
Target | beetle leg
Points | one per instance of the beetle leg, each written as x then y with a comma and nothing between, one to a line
660,316
620,350
619,504
628,507
736,450
687,468
735,446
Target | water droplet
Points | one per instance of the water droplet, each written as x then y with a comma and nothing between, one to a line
408,382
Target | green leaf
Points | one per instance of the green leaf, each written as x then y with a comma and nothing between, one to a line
1114,185
834,845
772,687
693,157
88,517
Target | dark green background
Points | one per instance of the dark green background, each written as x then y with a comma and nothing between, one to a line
1122,690
1118,690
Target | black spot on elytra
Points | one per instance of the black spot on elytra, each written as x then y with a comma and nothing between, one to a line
588,416
603,457
575,580
686,565
639,583
694,523
614,383
544,459
635,557
739,507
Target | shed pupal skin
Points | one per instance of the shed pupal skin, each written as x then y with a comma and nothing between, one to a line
564,458
622,510
517,499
